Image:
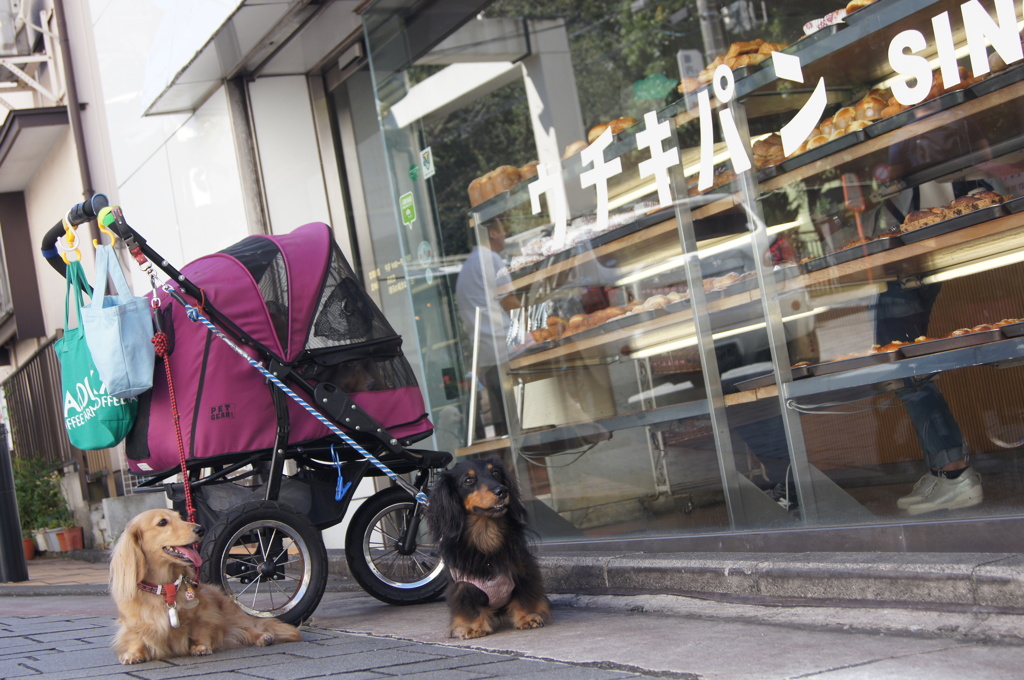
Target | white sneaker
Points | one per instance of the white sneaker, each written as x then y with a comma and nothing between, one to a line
923,487
951,494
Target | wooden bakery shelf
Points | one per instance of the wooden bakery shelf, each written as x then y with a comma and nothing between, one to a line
1000,351
982,240
841,57
882,143
539,439
855,55
878,145
495,445
655,242
597,345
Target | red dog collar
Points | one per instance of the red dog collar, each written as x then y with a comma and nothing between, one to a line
168,590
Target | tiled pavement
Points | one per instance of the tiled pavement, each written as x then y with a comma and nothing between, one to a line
58,648
48,572
70,647
59,624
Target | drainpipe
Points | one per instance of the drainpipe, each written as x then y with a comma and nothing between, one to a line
75,118
74,112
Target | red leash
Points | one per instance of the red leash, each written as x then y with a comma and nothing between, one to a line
162,345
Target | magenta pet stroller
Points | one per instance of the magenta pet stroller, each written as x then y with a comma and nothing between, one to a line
266,476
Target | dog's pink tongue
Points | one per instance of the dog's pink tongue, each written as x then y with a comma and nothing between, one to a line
191,554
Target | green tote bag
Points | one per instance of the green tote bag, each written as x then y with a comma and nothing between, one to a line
94,419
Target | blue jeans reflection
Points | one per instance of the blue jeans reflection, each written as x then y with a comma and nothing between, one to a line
902,314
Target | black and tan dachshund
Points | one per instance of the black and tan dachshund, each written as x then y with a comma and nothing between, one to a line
479,520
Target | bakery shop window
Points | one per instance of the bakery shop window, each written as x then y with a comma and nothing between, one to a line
744,272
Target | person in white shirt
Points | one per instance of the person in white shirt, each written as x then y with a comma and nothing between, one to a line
471,293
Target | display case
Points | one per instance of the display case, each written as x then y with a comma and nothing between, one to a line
822,302
724,308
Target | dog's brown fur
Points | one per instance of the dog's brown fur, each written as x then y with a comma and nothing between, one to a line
144,632
479,519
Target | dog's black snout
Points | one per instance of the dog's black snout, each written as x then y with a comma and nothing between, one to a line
501,491
199,531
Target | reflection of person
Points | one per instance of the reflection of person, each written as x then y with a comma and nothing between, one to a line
902,315
471,293
760,427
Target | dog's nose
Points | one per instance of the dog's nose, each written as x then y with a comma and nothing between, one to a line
500,491
199,531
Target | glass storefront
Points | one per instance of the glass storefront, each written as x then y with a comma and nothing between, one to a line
701,268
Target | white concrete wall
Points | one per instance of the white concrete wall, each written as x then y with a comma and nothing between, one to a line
175,175
288,153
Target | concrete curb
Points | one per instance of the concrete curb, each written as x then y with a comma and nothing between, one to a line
969,583
949,582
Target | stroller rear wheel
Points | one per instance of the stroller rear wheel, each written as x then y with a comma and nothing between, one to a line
269,558
381,558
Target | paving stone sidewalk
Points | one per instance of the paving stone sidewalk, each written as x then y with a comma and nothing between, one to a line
60,648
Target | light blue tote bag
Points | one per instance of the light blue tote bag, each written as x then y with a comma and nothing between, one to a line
119,330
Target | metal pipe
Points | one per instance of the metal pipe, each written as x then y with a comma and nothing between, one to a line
74,112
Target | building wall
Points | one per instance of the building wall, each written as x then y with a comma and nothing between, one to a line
177,175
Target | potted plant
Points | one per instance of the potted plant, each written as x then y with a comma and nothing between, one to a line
28,503
41,504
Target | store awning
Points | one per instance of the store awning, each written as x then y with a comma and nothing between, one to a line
26,139
256,32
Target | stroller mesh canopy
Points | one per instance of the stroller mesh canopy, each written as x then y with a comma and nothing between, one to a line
293,297
345,315
265,262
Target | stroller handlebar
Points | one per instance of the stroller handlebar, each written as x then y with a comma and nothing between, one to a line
80,213
87,210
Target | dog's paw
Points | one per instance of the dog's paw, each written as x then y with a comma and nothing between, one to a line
529,621
264,640
129,658
200,650
469,631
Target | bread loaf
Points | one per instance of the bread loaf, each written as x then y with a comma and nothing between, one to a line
687,85
855,5
922,218
575,324
596,132
869,108
892,110
477,192
529,170
503,178
844,117
815,142
574,148
620,124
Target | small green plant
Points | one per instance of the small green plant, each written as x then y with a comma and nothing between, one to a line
41,504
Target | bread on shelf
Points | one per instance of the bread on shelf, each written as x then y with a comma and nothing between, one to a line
617,126
502,178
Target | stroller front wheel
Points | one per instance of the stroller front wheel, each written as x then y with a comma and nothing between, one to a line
269,558
384,560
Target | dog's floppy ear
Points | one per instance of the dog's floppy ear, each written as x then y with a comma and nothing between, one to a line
445,513
516,509
127,563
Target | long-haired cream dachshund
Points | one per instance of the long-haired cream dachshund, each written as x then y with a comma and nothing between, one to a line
162,610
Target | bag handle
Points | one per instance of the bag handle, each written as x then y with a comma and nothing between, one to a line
74,278
107,263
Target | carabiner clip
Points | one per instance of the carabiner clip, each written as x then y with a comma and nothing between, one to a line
68,243
104,219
